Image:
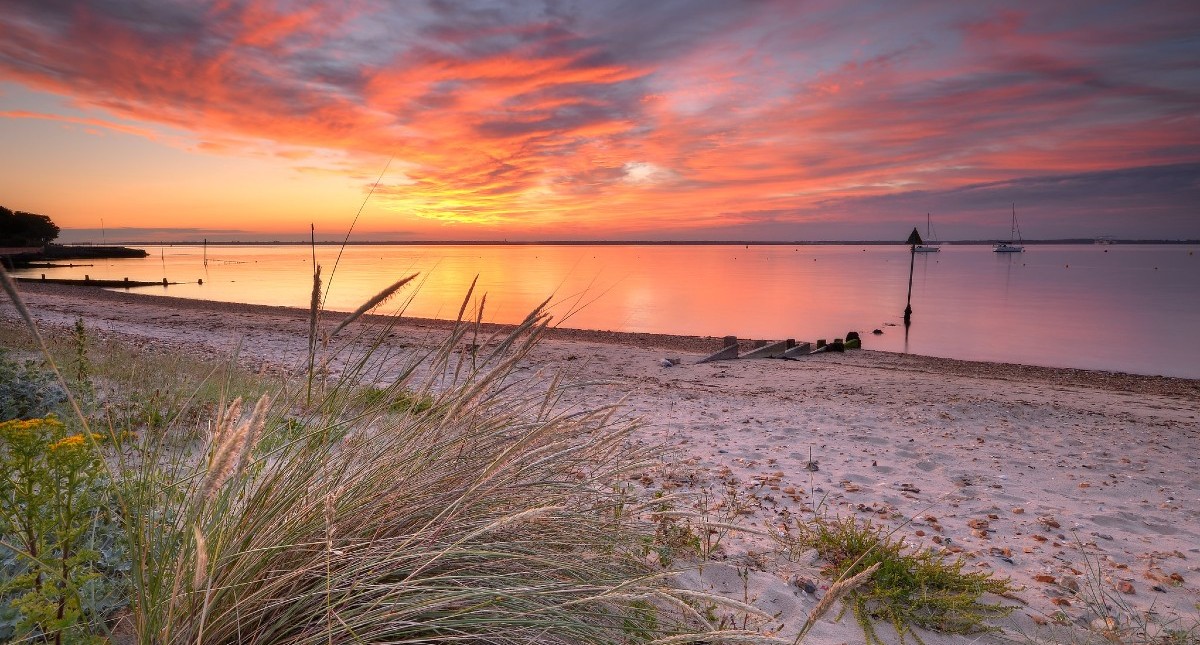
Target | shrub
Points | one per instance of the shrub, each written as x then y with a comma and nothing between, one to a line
55,535
910,587
26,391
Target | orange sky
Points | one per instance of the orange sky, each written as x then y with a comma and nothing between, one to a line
708,120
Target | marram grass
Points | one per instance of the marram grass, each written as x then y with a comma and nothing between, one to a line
484,517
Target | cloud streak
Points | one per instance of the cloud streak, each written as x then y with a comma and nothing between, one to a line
618,119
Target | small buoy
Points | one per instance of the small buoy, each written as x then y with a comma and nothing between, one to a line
200,281
877,332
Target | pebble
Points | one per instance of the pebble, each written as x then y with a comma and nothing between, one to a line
1049,522
806,585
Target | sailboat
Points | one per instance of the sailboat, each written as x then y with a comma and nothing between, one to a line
931,244
1014,243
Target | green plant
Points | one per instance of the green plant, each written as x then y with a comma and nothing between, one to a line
81,364
27,391
910,587
398,400
51,505
674,535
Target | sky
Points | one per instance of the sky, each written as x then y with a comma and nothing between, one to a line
139,120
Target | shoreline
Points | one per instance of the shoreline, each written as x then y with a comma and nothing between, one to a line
1064,376
1059,479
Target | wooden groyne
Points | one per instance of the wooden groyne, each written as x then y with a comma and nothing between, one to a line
103,284
784,349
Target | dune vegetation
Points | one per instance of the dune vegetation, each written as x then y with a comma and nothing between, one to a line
373,495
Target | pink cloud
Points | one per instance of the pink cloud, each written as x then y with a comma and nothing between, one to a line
516,115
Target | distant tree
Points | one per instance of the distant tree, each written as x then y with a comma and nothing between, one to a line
25,229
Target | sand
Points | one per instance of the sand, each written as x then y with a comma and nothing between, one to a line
1056,478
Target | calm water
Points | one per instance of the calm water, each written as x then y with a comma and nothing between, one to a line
1119,307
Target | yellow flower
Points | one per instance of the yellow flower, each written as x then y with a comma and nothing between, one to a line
68,442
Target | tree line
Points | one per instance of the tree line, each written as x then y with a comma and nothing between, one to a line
18,228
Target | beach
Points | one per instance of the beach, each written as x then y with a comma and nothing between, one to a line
1062,480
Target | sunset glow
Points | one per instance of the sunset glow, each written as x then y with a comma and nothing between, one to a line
512,120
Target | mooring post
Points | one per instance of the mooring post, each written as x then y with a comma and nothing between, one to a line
913,240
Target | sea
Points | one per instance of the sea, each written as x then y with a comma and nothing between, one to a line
1115,307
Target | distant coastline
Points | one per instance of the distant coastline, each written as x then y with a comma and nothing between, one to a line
19,257
1071,241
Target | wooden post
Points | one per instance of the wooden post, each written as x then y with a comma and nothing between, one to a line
913,240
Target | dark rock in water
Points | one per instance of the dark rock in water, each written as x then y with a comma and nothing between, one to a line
877,332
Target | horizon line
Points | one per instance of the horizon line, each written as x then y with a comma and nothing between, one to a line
552,242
